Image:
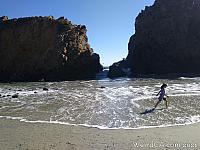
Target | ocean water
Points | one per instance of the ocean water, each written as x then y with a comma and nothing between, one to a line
106,104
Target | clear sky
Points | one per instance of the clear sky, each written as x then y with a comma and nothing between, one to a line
110,23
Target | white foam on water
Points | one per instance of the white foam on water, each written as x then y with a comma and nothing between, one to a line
110,102
26,92
188,78
135,104
190,120
149,92
4,107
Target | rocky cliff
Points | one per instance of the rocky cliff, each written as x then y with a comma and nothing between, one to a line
44,48
166,39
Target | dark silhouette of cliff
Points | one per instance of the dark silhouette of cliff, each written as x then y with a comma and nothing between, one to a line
44,48
166,39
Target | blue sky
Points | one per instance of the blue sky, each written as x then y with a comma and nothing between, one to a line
110,23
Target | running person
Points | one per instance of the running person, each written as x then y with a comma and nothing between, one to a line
162,96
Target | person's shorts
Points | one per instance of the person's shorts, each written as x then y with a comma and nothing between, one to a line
160,99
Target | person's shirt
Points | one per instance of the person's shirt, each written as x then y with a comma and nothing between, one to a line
162,93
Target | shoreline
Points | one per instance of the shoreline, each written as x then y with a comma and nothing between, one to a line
21,119
41,136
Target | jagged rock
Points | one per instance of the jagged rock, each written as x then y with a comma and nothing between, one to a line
119,69
167,39
61,18
50,17
116,70
42,48
3,18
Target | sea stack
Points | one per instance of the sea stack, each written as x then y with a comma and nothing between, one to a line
45,49
166,40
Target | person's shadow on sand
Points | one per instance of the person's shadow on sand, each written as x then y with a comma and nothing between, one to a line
147,111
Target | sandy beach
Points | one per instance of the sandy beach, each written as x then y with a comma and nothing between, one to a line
16,135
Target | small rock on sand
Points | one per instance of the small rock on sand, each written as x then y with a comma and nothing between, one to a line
15,96
45,89
102,87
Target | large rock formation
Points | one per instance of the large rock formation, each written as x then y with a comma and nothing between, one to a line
166,39
44,48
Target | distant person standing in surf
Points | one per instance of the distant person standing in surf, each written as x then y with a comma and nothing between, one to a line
162,96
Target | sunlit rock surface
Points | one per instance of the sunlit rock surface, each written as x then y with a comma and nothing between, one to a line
44,48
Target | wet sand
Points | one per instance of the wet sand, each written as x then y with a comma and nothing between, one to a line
16,135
